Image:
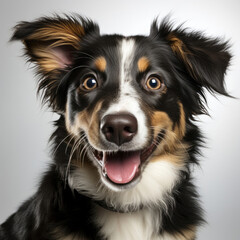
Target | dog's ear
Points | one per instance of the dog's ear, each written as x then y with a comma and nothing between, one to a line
205,59
51,43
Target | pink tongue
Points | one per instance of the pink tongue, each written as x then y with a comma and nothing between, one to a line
121,167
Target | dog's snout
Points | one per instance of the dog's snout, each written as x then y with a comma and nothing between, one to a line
119,128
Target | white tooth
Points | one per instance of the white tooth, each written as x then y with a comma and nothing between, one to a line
104,171
100,163
104,156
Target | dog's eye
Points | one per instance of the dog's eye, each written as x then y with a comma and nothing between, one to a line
89,84
153,83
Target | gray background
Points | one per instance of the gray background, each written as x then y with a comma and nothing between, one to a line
25,127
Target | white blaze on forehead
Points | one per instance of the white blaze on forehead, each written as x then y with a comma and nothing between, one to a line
128,98
127,47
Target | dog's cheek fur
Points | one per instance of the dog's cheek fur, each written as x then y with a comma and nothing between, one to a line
85,122
174,131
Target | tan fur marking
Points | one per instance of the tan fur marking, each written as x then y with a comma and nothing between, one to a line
180,129
65,33
82,120
160,120
188,234
143,64
175,159
86,121
171,148
180,50
101,64
47,61
93,132
67,120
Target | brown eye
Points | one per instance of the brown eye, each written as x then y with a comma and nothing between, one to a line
89,84
153,83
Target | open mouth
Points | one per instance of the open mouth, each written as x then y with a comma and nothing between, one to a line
124,167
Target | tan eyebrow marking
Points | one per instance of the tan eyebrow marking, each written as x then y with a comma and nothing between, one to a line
143,64
101,64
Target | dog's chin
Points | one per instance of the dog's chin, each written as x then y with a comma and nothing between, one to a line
122,170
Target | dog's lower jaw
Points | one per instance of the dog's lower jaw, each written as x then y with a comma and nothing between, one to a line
158,179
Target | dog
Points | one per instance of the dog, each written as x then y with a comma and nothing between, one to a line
126,138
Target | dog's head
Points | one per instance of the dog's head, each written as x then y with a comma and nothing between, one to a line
128,100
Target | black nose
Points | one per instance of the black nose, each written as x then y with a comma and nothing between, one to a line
119,128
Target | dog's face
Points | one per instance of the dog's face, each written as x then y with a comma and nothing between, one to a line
127,100
120,101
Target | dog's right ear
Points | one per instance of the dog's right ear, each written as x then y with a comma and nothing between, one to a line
51,44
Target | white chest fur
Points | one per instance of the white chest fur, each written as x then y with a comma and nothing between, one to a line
140,225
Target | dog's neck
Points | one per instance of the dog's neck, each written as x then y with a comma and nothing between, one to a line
105,205
130,209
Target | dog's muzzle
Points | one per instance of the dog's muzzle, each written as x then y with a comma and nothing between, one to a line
121,167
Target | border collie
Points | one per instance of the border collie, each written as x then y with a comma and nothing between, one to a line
126,138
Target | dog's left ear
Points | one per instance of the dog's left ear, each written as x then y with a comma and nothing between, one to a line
205,59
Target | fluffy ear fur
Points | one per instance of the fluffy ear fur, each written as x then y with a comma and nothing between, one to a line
205,59
51,44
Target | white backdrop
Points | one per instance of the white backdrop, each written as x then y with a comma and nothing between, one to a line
25,127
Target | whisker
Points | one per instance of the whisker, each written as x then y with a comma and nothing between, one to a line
175,138
82,149
84,152
67,173
69,143
75,147
61,143
84,53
